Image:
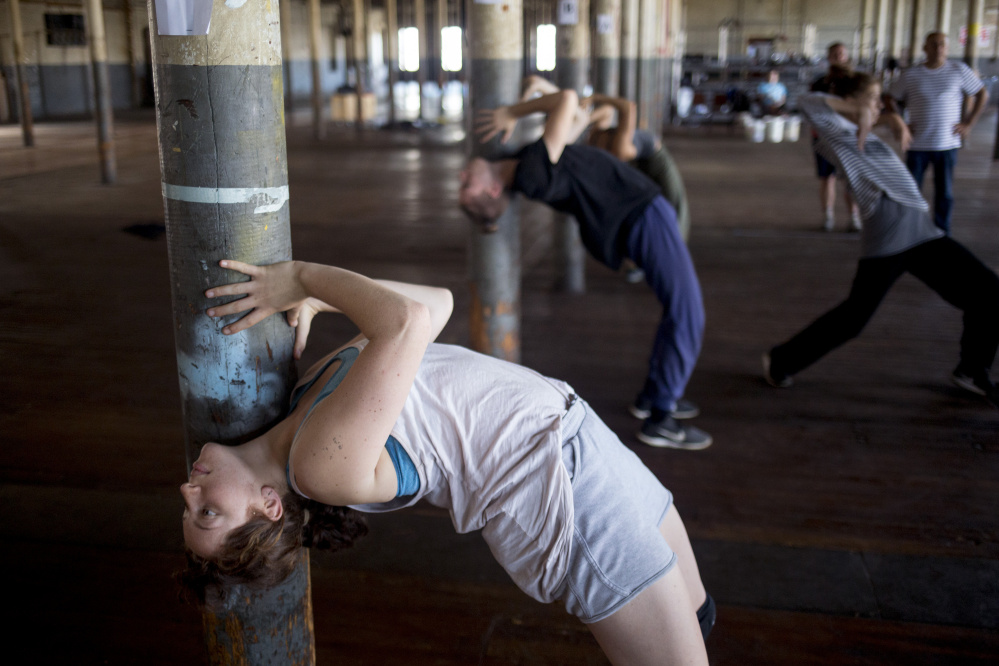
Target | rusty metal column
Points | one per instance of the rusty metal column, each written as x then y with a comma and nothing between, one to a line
359,41
607,47
915,30
943,16
974,29
315,36
628,83
289,92
220,122
102,92
572,69
420,18
21,74
496,47
392,27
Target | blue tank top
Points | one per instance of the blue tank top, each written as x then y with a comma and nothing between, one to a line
405,470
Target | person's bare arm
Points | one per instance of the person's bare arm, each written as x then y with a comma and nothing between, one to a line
560,107
980,98
537,85
898,128
622,141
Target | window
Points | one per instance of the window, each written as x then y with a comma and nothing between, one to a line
451,49
409,49
546,48
65,30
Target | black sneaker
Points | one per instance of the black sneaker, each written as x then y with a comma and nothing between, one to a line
667,432
979,384
779,381
685,409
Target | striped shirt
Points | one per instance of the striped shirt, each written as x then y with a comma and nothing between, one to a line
934,99
874,174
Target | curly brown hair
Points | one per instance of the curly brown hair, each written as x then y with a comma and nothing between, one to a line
263,552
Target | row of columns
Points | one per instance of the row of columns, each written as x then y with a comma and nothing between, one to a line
874,37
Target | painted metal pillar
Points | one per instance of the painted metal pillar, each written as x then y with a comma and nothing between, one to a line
289,91
496,47
21,74
440,18
915,31
315,37
572,65
650,84
676,44
864,42
420,9
898,30
943,16
974,29
392,27
607,47
629,49
880,34
102,92
359,40
220,122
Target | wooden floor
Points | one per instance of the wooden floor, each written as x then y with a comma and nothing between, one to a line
851,519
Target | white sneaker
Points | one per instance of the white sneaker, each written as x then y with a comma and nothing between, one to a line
855,223
829,222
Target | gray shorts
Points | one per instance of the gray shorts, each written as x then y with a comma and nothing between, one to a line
617,550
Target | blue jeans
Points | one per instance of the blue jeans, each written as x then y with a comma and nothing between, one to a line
943,162
655,244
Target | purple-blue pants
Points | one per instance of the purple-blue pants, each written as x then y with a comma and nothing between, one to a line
654,243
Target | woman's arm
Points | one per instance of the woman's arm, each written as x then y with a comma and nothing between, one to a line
338,448
623,140
560,108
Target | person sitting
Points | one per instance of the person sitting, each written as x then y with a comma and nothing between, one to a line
391,418
772,94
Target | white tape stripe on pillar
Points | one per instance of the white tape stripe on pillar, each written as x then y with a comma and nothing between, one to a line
275,196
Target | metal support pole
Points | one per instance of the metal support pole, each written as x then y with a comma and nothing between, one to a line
607,47
974,29
629,49
420,18
289,92
220,122
898,29
915,30
392,26
943,16
572,58
650,85
441,20
496,34
135,95
676,45
360,42
102,92
880,34
21,74
865,27
315,36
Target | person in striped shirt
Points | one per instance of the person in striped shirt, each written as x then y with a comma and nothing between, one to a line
934,94
898,237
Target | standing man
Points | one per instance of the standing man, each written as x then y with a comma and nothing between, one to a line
934,93
621,213
839,66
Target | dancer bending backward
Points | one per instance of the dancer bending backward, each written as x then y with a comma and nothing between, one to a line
899,236
391,418
621,213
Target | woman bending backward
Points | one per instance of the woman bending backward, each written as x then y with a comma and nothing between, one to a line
391,418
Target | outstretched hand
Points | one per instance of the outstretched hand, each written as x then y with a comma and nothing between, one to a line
271,289
491,122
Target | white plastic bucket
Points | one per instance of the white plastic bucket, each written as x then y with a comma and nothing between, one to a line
792,128
756,131
774,129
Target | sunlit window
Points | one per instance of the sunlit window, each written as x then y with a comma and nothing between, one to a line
546,48
451,48
409,49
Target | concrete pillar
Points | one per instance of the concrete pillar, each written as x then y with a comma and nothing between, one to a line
915,31
676,44
607,47
943,16
102,92
359,39
898,31
289,91
135,90
880,34
572,58
496,47
392,27
220,122
974,28
649,98
315,36
440,16
420,9
629,49
864,41
21,74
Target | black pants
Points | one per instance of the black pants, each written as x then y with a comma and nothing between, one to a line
945,266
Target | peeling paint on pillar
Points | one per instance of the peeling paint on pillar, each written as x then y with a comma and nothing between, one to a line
223,158
496,54
628,83
607,48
